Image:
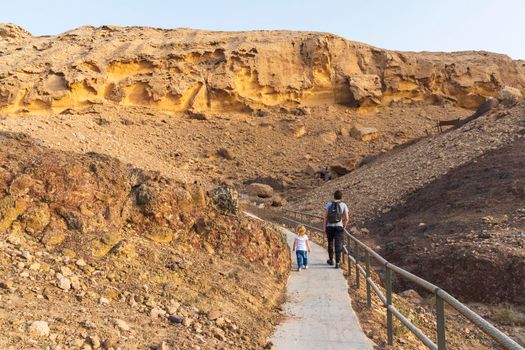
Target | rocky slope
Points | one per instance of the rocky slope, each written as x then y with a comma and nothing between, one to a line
95,253
387,180
473,217
278,148
183,69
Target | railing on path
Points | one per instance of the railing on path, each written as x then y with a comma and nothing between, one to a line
354,256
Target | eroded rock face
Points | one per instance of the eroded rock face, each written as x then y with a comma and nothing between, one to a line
202,71
92,204
11,32
136,249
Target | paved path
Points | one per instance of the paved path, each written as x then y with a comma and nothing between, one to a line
318,311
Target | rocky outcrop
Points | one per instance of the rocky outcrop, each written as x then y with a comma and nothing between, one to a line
12,33
202,71
141,252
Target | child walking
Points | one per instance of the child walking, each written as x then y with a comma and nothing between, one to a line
301,246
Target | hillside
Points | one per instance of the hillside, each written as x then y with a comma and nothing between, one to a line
388,179
97,252
473,217
214,107
183,69
114,138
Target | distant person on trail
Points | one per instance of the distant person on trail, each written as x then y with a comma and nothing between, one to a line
301,246
335,220
325,174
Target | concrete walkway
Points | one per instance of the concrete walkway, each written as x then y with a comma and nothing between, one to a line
318,311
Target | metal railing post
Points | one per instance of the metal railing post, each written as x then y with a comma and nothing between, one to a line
349,250
357,265
440,316
389,323
368,288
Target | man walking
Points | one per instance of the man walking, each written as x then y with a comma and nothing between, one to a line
335,220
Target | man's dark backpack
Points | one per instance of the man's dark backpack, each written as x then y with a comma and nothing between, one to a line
335,213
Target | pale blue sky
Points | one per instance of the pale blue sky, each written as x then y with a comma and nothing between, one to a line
414,25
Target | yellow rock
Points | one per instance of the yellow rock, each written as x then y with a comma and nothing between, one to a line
363,133
53,237
84,210
10,209
102,246
209,248
329,137
160,234
69,253
198,195
35,219
184,200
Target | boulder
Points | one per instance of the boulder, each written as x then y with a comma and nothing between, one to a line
279,184
509,96
344,132
311,169
39,329
10,209
328,137
35,219
260,190
54,234
121,324
160,234
340,170
363,133
225,199
64,283
412,295
213,315
157,312
344,167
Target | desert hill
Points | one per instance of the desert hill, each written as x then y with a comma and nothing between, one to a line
386,180
449,208
111,138
203,71
474,217
95,253
270,106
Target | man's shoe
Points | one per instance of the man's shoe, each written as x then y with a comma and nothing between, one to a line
337,265
330,262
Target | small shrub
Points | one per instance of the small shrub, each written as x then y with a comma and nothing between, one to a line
509,315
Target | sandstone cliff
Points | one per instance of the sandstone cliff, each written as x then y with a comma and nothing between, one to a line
182,69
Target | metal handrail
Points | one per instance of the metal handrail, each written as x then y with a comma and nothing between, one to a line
440,294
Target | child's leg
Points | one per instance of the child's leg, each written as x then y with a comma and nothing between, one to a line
299,259
305,258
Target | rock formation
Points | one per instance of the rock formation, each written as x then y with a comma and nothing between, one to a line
91,245
203,71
